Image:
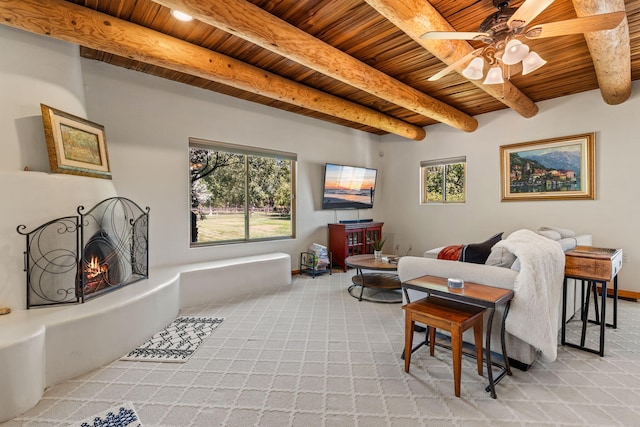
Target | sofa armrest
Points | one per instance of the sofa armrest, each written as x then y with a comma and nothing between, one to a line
584,240
412,267
433,253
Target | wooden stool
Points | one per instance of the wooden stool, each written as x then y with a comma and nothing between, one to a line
452,316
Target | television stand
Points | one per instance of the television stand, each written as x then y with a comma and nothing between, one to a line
352,238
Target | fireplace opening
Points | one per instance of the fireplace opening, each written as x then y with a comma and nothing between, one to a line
101,268
72,259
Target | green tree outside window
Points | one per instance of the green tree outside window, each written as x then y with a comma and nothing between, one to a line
443,181
240,194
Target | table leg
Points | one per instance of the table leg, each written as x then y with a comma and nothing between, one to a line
563,332
615,303
359,271
415,328
584,316
586,294
431,333
492,387
507,366
456,356
603,316
614,324
408,340
406,295
477,338
594,289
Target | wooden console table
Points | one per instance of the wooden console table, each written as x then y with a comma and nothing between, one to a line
488,297
596,266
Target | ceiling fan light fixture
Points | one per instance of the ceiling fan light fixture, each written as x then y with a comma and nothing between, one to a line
473,71
494,76
531,63
514,52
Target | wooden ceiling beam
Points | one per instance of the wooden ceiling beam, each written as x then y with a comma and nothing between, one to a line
610,51
415,17
254,24
83,26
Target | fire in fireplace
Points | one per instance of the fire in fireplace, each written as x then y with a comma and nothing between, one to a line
101,268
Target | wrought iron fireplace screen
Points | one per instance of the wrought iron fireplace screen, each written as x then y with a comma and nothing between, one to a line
75,258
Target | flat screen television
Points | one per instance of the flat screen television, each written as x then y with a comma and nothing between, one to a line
348,187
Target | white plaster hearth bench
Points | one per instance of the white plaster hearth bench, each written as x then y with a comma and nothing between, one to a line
46,346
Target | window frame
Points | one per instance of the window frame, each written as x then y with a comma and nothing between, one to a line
246,151
424,199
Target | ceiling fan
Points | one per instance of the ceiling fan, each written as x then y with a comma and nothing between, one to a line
501,31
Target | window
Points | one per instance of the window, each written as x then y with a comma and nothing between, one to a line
240,193
443,180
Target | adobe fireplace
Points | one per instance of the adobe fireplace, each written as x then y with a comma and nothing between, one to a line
75,258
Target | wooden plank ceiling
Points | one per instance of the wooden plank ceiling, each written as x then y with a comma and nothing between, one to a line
358,29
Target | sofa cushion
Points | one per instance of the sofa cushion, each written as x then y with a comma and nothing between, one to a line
564,232
451,253
500,257
568,243
479,252
550,234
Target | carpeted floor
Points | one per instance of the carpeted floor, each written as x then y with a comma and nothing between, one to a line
312,355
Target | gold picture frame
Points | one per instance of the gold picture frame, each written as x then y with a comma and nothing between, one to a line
549,169
76,146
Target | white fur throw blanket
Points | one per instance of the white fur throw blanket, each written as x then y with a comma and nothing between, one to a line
533,316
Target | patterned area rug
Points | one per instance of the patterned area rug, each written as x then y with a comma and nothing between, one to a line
119,416
177,342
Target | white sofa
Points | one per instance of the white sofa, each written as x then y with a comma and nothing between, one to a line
520,353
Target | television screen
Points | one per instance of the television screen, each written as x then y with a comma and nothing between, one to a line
348,187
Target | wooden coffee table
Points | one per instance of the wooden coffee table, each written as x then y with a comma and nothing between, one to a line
381,278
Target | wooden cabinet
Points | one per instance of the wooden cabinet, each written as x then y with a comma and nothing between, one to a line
352,238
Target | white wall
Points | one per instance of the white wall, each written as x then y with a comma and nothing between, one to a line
148,122
35,70
611,218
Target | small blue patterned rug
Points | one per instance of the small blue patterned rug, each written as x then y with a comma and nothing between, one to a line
119,416
177,342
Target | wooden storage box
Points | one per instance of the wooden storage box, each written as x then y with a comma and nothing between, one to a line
592,263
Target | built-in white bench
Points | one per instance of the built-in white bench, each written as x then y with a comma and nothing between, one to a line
46,346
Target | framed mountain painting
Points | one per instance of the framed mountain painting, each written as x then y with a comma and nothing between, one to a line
550,169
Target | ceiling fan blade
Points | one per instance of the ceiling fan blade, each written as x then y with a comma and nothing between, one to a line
527,12
453,66
453,35
586,24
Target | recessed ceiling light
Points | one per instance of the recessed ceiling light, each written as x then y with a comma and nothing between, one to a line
181,16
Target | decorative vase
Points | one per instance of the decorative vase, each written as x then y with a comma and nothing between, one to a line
377,254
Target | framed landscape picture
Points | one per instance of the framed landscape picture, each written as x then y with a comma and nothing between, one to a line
550,169
75,145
